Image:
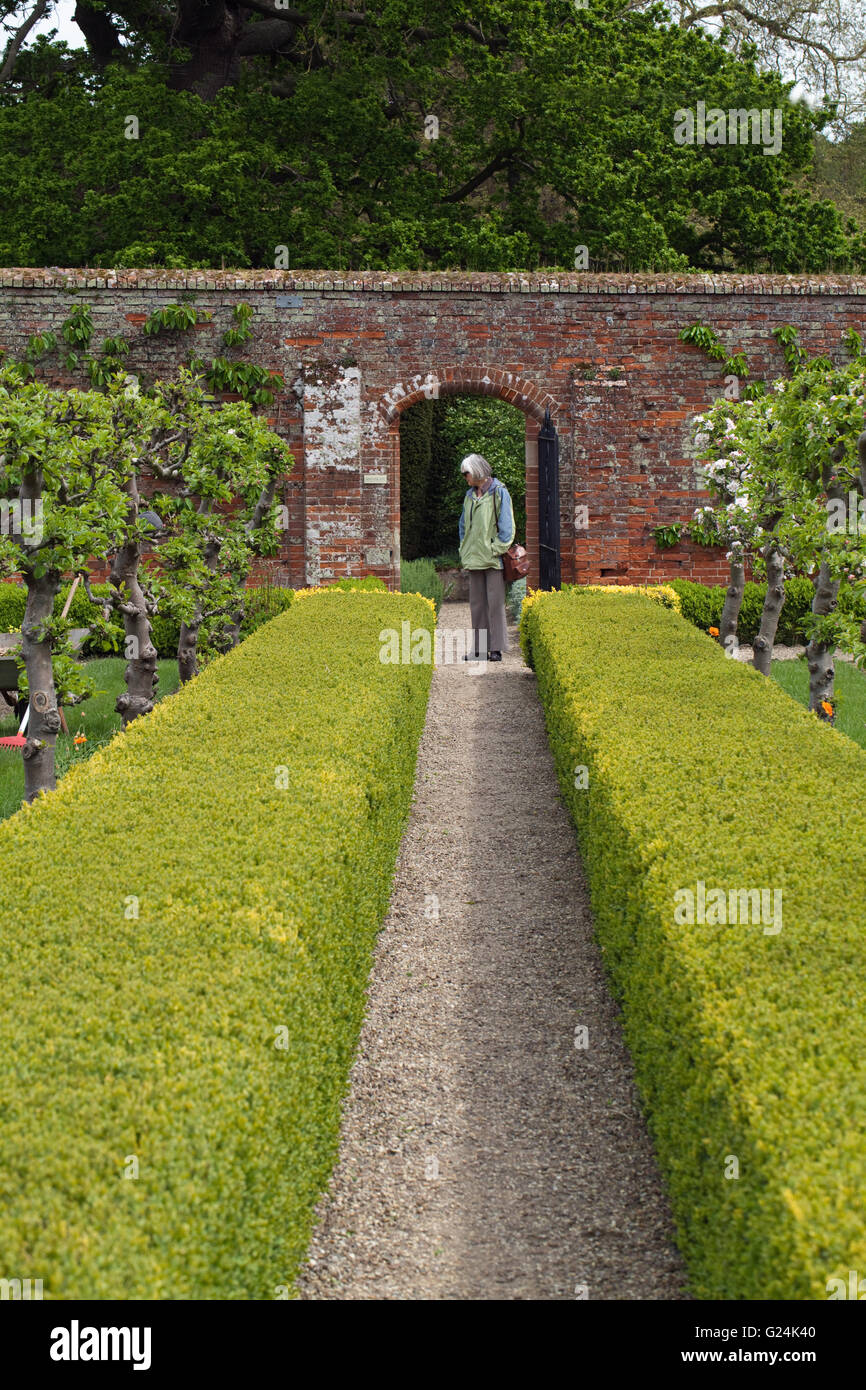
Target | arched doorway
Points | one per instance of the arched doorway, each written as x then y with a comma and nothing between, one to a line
538,407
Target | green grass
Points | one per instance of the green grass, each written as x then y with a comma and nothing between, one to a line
95,718
850,698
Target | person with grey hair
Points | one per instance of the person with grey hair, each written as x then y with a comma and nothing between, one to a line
486,530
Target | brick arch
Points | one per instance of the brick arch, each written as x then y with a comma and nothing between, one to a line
515,390
472,381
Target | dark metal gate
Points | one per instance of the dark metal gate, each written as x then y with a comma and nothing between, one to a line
550,575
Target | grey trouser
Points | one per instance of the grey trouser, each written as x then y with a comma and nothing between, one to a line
487,607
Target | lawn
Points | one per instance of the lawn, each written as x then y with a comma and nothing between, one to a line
850,699
95,718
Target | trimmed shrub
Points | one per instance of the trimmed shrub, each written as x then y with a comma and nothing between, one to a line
368,584
663,594
421,577
702,605
700,770
13,598
183,966
514,597
262,604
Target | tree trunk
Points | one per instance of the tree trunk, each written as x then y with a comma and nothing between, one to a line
211,33
819,655
733,603
187,647
232,633
44,722
772,608
141,675
861,451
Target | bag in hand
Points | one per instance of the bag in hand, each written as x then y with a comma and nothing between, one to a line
515,561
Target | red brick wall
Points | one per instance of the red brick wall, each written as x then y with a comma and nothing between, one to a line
356,350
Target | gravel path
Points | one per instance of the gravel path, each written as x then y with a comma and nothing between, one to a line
483,1156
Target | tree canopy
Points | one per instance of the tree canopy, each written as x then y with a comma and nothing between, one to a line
501,134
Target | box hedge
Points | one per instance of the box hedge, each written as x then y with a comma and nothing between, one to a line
745,1042
184,948
702,605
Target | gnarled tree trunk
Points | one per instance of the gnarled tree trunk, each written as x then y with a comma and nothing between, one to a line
187,647
141,675
44,721
775,597
819,655
861,450
733,604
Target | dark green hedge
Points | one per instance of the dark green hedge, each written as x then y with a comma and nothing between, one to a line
253,820
744,1042
702,605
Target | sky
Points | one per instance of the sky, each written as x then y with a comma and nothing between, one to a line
61,20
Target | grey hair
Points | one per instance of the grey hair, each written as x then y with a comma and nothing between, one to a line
476,466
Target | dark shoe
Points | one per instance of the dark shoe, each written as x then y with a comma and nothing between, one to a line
470,657
494,656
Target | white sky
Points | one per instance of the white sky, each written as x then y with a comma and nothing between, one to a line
60,19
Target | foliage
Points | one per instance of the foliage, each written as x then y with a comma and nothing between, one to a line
733,364
775,465
176,317
514,599
222,470
666,537
702,605
210,1035
366,584
416,436
420,577
233,337
322,129
263,603
698,770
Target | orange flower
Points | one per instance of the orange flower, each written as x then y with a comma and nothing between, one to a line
79,738
826,707
714,631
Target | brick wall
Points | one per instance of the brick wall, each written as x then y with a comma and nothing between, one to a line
602,352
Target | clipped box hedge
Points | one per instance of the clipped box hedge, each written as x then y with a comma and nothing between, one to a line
746,1044
702,605
157,1038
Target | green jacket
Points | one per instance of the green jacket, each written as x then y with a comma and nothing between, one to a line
481,541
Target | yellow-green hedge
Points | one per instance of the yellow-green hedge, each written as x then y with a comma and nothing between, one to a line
656,593
154,1037
747,1044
